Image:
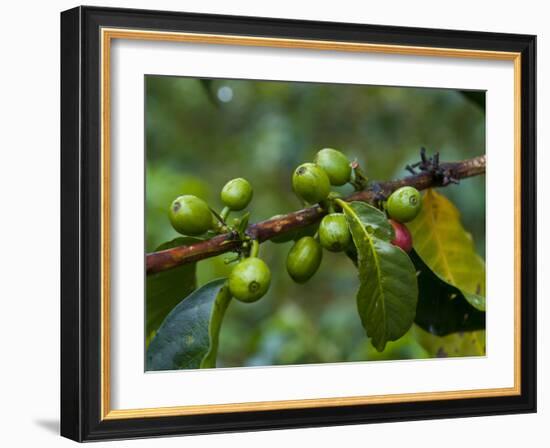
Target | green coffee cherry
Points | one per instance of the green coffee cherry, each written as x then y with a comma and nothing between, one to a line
335,164
190,215
303,260
237,194
404,204
249,280
311,183
334,234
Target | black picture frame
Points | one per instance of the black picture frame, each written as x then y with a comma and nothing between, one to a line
81,224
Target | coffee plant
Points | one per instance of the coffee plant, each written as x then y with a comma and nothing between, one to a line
415,261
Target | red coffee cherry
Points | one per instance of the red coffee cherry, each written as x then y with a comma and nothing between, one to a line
403,237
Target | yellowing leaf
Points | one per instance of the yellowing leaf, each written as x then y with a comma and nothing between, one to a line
447,248
443,308
468,343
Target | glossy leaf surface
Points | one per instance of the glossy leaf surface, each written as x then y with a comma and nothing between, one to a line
388,291
188,337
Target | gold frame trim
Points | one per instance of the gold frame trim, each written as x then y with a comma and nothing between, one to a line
107,35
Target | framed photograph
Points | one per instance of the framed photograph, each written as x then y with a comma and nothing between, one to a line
275,224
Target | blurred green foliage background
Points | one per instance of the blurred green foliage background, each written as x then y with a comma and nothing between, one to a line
201,133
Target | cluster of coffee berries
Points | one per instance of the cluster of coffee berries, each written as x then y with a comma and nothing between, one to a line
250,278
306,254
312,183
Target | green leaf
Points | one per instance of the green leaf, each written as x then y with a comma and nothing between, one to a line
447,249
188,337
442,308
388,290
469,343
374,220
165,290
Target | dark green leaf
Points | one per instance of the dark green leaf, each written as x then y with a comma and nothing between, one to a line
442,308
388,289
165,290
188,337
